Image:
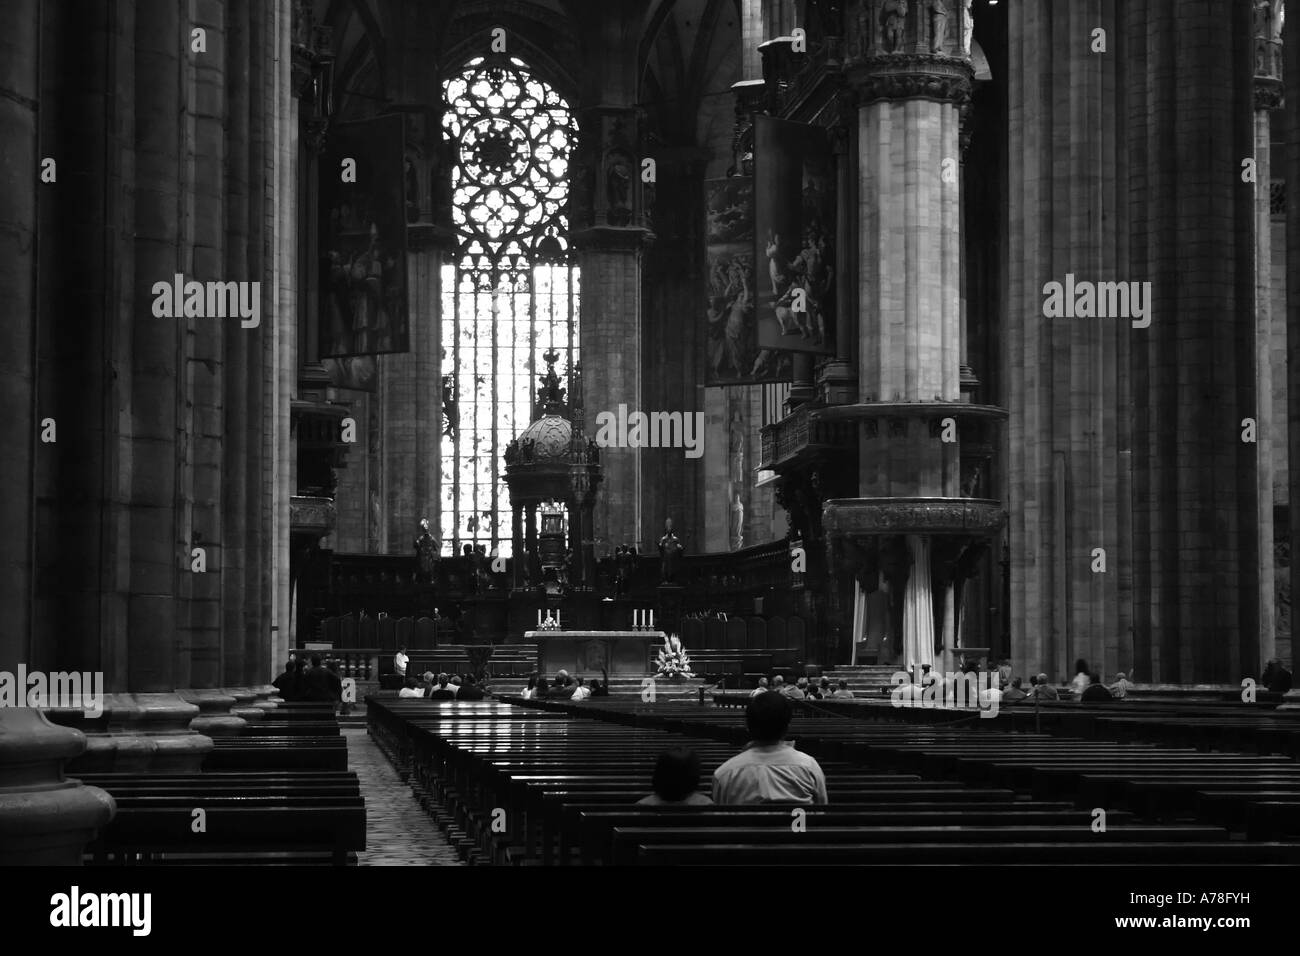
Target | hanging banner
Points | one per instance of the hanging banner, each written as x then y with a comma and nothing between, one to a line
363,301
794,236
734,354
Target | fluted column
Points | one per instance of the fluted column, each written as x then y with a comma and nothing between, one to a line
1291,74
1189,123
1068,448
19,99
1267,97
610,237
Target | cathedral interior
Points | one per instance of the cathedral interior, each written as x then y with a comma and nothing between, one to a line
824,337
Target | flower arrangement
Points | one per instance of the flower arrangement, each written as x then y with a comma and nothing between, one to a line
673,661
549,624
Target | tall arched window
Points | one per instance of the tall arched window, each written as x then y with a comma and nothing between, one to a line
512,293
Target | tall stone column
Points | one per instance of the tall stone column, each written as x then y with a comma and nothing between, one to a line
19,100
1068,448
204,351
1268,97
1192,222
609,235
1291,73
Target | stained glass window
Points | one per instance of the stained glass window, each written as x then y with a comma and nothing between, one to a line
512,293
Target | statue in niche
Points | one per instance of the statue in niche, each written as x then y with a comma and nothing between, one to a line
670,549
866,11
1263,33
426,553
894,19
938,24
967,26
970,480
737,522
618,187
624,568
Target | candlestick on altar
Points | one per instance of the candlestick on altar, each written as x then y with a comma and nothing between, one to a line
652,619
539,617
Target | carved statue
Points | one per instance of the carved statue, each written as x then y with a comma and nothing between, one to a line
618,187
938,24
426,552
894,17
625,566
866,11
737,523
967,26
670,549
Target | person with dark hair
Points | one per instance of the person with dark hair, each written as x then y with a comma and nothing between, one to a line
842,692
470,690
528,692
321,684
287,683
542,689
1276,678
1043,690
411,688
1095,691
1079,683
676,781
580,692
769,769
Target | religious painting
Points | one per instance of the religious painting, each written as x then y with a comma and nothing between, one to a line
363,298
794,236
735,356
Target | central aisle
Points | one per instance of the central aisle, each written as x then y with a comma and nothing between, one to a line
398,832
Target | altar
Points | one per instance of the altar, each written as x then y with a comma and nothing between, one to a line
621,653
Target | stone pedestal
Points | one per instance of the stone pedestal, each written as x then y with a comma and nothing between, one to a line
141,732
215,717
46,819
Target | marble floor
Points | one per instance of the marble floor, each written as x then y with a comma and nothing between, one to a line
398,832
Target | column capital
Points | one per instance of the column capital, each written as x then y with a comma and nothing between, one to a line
901,76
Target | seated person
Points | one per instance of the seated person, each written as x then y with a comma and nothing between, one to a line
760,689
1013,693
410,688
542,690
778,684
441,690
598,689
676,781
824,688
1276,679
580,692
470,689
1095,691
769,769
527,692
842,691
1044,690
455,685
797,691
287,683
1119,690
322,684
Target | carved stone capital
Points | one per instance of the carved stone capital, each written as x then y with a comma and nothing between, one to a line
901,76
1269,93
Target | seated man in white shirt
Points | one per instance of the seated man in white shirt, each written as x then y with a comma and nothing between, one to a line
769,769
581,691
760,689
410,689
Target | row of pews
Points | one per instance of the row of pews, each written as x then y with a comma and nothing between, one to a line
556,783
280,793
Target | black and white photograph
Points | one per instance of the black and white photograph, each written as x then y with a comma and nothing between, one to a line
842,448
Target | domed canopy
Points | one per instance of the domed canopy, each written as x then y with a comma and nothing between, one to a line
549,437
